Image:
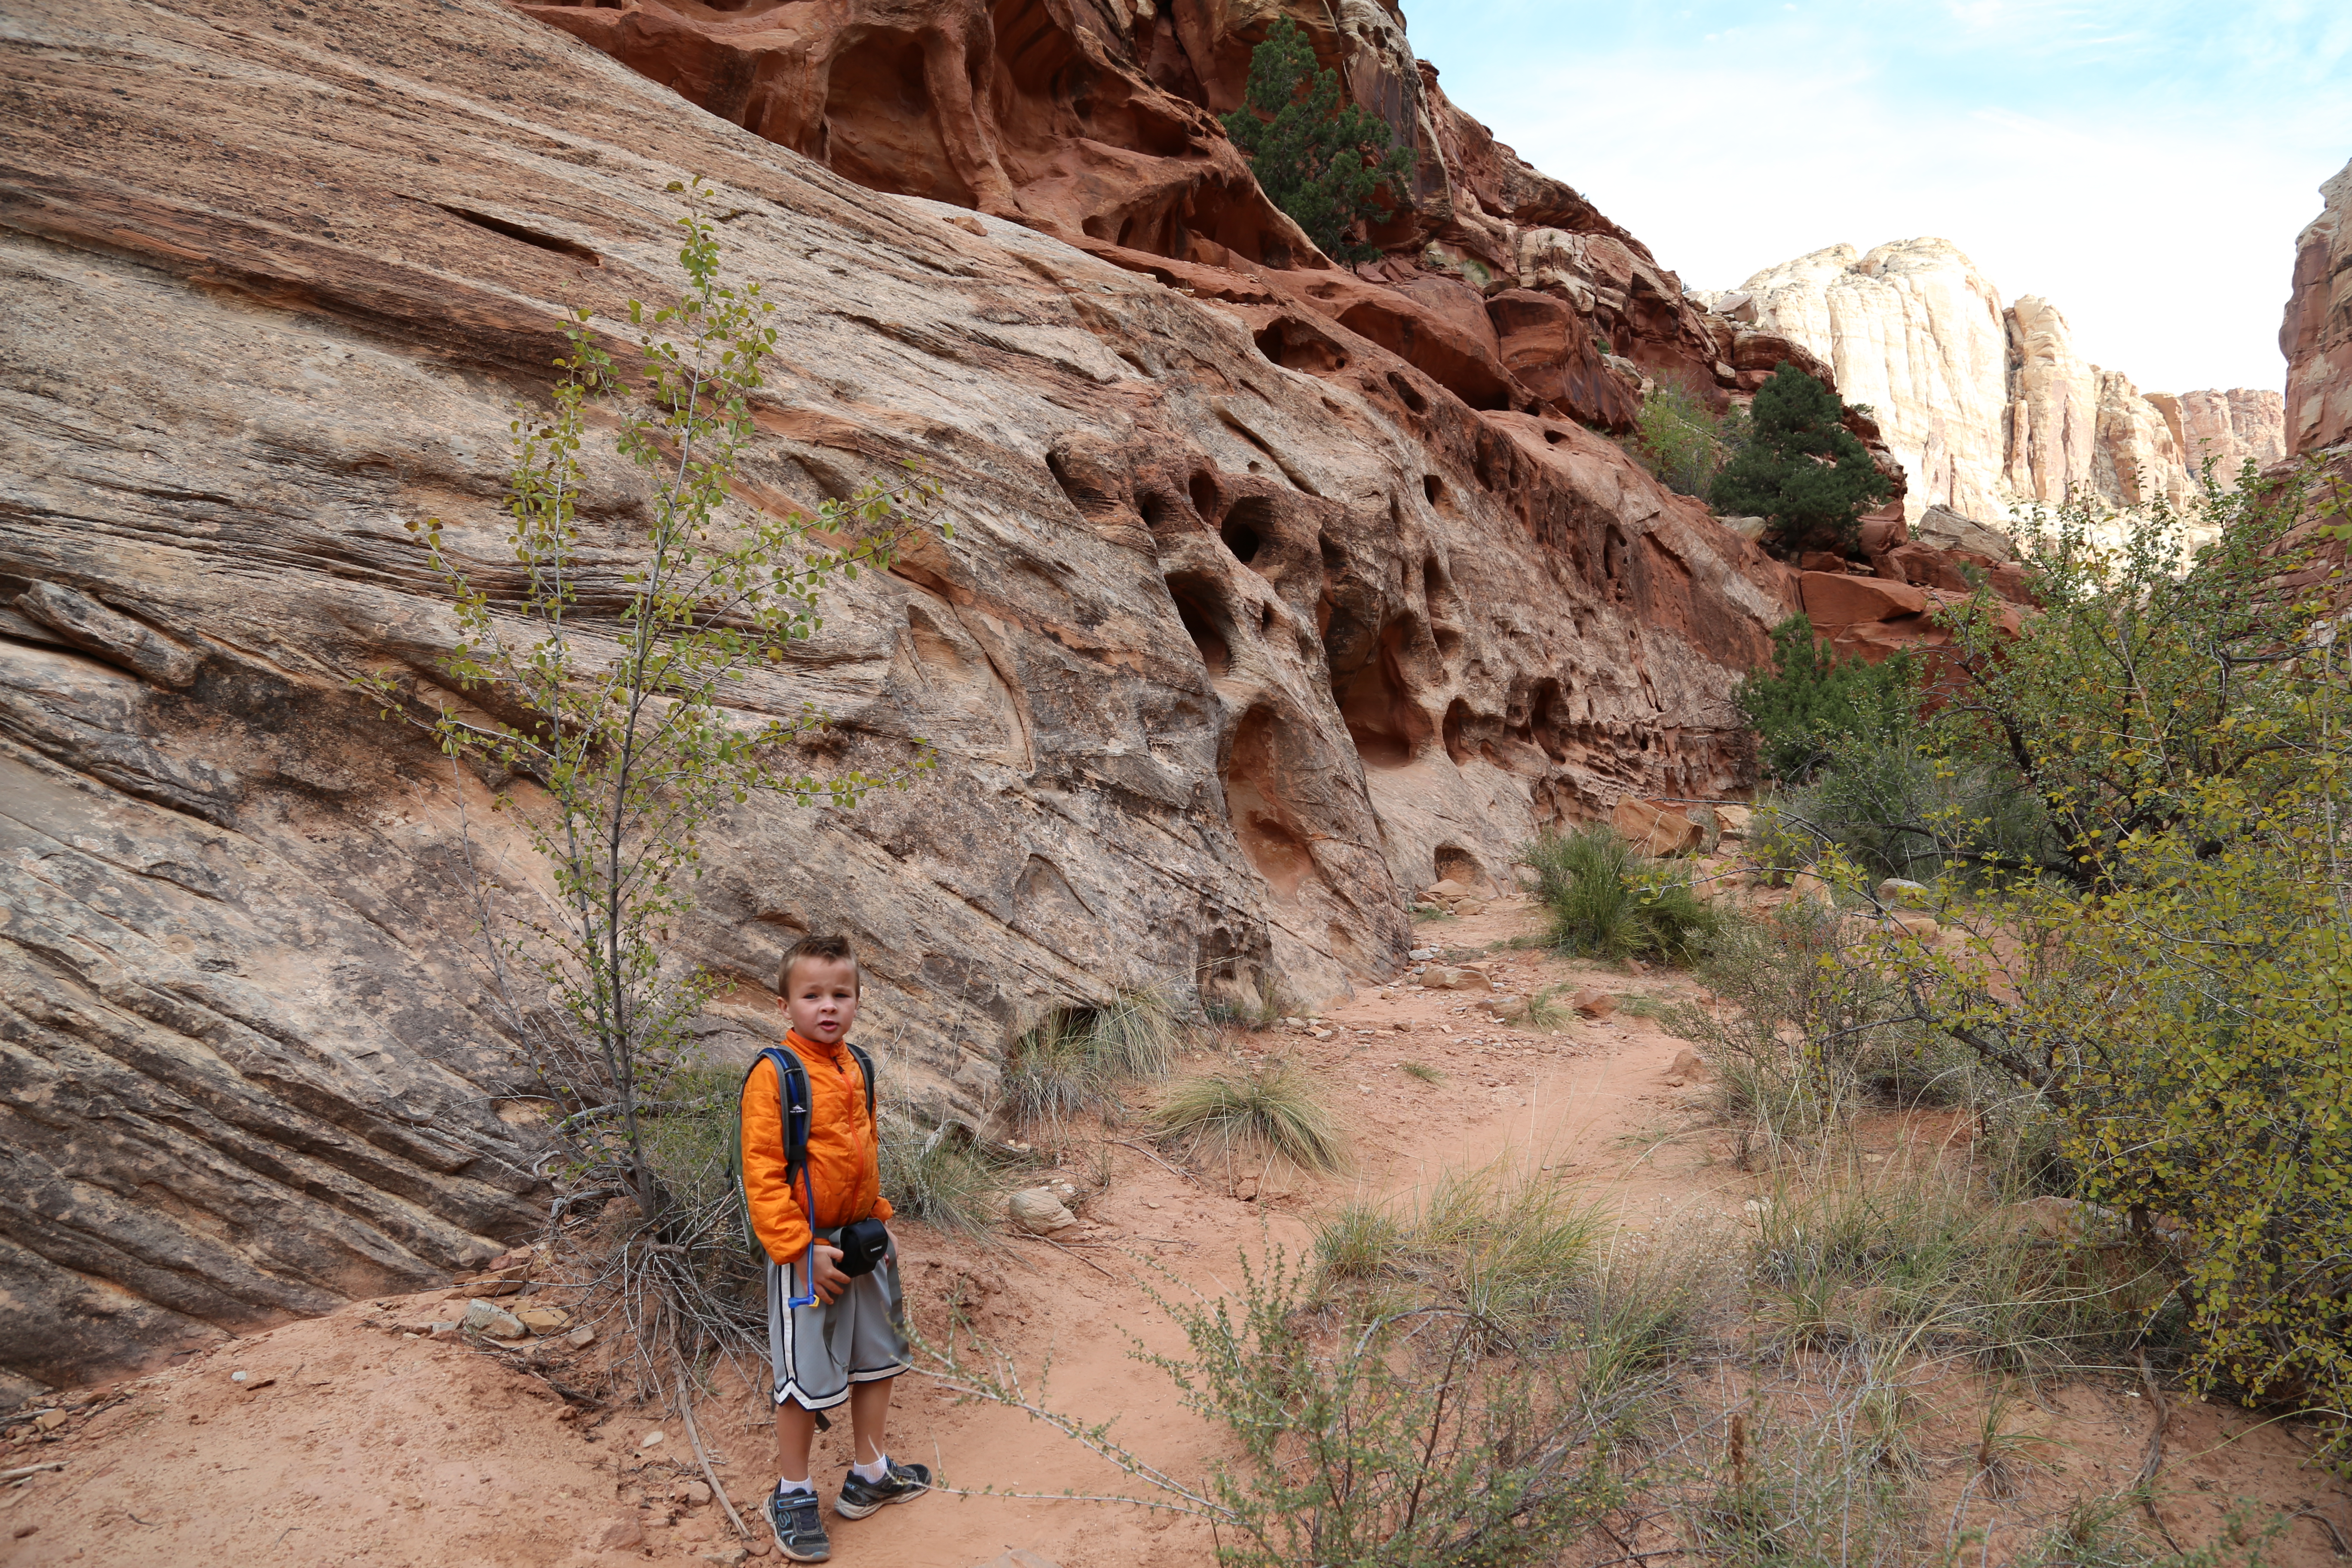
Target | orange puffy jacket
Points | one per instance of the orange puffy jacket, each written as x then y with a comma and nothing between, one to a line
845,1157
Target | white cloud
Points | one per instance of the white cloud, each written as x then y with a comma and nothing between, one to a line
2081,153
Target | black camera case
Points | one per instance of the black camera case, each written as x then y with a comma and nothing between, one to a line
864,1245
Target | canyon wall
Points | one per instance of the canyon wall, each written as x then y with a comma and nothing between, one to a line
1094,120
1277,590
1992,408
2317,335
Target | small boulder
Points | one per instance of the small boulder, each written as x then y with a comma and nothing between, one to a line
1448,891
1422,955
1806,887
1838,599
625,1532
697,1493
483,1317
1448,979
1914,923
1901,892
1039,1210
1731,821
1655,830
581,1337
1594,1004
1687,1067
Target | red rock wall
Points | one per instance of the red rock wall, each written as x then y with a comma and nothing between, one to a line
1090,120
2317,335
1272,591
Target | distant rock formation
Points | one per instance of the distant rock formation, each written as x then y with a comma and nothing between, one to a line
1987,407
2316,336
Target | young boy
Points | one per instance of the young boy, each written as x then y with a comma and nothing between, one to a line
850,1340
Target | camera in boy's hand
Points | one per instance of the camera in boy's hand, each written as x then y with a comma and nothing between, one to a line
864,1243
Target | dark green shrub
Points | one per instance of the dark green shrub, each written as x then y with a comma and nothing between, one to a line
1811,699
1802,471
1899,810
1318,160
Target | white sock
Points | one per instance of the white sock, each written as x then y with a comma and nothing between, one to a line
785,1484
873,1472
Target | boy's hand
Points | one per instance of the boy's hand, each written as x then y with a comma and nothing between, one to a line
828,1281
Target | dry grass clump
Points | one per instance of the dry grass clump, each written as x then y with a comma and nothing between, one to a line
940,1177
1510,1252
1275,1112
1078,1060
1919,1262
1807,1034
1607,902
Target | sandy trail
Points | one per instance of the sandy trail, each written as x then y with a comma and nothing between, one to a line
351,1443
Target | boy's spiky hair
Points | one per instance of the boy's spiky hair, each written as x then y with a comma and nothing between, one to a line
832,949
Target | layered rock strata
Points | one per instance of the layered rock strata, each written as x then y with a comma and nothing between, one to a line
2317,335
1251,618
1992,408
1095,121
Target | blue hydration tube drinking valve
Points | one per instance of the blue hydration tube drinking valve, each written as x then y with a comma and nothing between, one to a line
809,1270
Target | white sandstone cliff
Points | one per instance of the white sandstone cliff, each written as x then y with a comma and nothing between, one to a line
1991,408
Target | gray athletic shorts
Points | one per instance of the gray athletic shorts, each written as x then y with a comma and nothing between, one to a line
819,1350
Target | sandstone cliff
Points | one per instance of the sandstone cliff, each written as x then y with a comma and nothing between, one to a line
1990,409
1094,120
2317,335
1276,590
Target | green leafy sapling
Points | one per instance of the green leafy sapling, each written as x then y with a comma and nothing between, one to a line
605,683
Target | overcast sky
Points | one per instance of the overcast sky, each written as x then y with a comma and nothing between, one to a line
2144,165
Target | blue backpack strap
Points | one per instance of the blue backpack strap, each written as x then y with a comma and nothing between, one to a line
792,1102
866,1072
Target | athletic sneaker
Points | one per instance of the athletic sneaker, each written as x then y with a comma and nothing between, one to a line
860,1496
800,1533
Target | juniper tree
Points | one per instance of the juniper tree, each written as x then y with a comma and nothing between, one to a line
1318,161
1802,471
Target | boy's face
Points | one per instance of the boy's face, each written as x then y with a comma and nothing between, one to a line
821,999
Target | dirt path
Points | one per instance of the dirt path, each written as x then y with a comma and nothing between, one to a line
348,1442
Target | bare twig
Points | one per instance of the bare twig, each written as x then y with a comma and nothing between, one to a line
18,1472
2155,1460
1079,1255
2335,1537
1175,1170
694,1435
